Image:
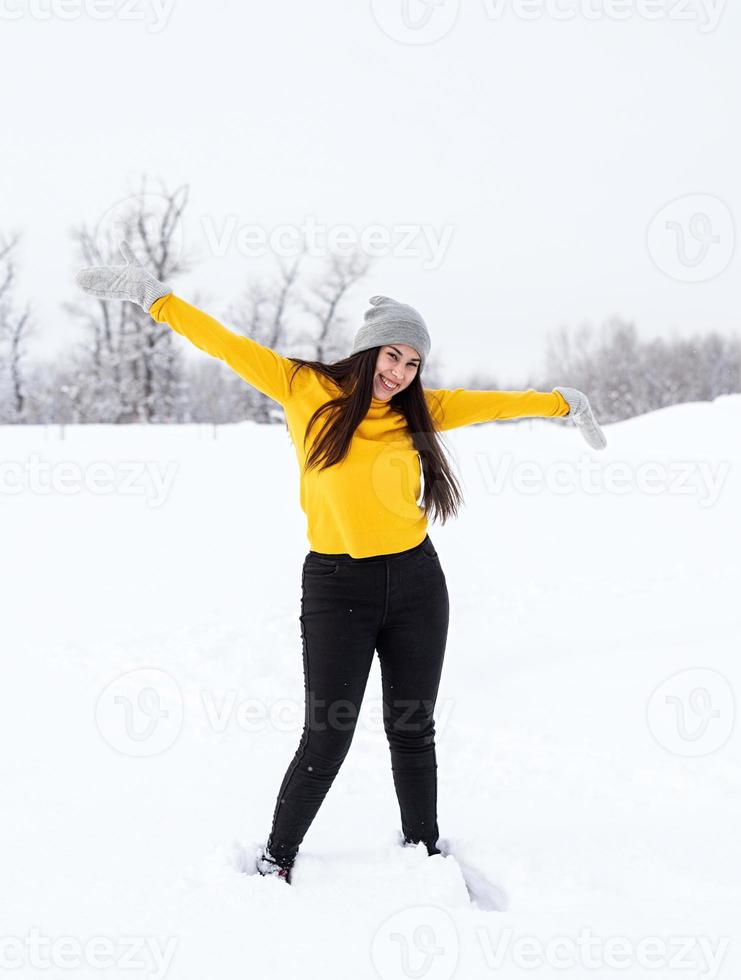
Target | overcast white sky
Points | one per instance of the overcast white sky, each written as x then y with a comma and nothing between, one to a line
543,148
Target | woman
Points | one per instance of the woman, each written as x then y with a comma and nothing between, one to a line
365,433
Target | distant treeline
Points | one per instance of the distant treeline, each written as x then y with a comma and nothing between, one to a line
127,368
625,375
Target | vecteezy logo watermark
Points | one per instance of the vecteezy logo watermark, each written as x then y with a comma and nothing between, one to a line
133,478
421,941
312,238
678,477
415,21
37,951
692,712
692,238
588,951
154,13
140,713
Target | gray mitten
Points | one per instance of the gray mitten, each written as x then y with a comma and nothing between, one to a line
581,412
130,281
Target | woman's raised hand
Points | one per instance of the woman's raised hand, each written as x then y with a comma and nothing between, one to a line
581,413
130,281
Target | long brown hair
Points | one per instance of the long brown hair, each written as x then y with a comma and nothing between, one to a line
354,376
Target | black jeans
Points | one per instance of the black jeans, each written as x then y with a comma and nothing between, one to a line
350,607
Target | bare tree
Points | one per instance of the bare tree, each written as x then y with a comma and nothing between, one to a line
15,329
263,312
325,298
132,367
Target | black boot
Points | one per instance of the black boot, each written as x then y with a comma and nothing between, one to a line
431,846
280,867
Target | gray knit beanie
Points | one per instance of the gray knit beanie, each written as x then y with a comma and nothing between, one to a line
389,322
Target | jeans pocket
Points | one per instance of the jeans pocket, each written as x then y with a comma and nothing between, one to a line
320,567
428,549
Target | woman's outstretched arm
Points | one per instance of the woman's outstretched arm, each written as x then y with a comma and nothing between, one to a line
259,365
452,408
463,406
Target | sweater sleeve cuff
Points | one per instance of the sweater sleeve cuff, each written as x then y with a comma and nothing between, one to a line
564,407
155,307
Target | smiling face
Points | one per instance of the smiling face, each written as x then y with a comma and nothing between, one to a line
398,364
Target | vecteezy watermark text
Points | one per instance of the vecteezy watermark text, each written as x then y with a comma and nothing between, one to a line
419,22
154,13
706,12
316,239
590,951
424,941
141,712
678,477
139,478
37,951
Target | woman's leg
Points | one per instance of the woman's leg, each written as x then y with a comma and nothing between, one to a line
340,611
411,648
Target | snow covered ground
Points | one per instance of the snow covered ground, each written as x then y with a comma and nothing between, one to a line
589,776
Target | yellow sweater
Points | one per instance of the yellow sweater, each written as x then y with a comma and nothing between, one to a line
369,503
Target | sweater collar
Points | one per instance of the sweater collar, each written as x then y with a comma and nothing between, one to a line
378,405
380,409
